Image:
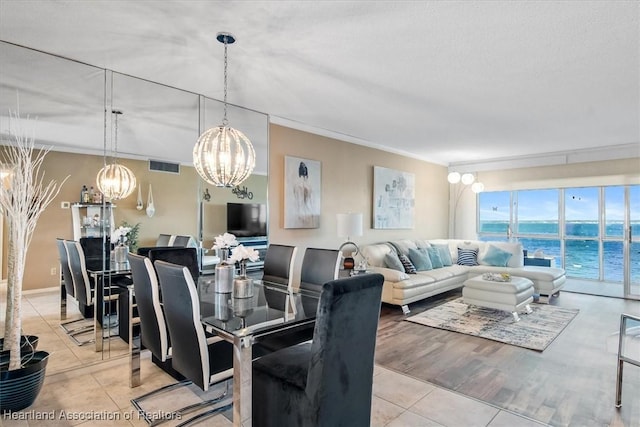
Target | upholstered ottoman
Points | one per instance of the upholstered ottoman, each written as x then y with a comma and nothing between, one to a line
512,296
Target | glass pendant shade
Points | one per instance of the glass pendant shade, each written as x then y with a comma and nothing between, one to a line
116,181
224,156
467,178
453,177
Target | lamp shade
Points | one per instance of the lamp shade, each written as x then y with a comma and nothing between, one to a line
453,177
349,224
224,156
467,178
116,181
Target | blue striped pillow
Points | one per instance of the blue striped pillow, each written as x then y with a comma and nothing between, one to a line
467,256
409,268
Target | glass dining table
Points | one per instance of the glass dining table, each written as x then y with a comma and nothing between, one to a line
273,309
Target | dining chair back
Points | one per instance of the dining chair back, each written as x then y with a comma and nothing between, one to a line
78,269
327,381
67,278
153,328
319,266
187,257
279,263
192,354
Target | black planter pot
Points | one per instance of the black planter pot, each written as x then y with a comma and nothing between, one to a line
20,387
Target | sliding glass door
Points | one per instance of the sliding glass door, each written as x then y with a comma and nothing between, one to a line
632,238
593,232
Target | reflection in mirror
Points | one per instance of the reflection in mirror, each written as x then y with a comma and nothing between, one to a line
254,190
159,123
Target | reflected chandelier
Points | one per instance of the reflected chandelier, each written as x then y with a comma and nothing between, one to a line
224,156
116,181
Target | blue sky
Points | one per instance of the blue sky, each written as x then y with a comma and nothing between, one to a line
542,205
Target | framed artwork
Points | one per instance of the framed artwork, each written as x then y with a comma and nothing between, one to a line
393,198
302,191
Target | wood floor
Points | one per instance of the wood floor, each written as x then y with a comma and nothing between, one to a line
571,383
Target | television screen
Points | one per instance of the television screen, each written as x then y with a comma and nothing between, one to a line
247,219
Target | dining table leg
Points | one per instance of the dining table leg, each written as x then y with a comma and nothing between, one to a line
98,299
242,381
134,343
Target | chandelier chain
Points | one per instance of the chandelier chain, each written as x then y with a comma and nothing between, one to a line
224,119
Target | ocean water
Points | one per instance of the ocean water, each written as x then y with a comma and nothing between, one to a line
581,250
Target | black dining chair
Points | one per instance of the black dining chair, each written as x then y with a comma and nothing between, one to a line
278,264
69,287
187,257
83,285
327,381
204,360
154,334
318,267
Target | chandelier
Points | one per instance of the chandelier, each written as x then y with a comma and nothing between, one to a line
116,181
224,156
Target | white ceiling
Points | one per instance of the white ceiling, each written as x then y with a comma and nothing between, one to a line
452,82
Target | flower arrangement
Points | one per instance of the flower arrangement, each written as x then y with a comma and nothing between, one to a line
225,241
120,234
242,254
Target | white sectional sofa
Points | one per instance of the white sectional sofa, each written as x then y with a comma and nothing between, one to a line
401,288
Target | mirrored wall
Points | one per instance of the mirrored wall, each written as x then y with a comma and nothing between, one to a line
69,105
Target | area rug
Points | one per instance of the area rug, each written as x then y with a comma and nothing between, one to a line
534,331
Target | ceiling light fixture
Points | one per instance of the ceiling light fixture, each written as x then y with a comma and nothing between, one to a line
224,156
116,181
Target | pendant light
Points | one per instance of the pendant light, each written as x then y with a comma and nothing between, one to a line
224,156
116,181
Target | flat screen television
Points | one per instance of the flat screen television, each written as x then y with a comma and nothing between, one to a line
247,219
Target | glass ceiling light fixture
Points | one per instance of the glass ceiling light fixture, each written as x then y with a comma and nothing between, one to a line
224,156
116,181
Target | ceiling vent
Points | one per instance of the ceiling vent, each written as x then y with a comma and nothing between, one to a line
157,166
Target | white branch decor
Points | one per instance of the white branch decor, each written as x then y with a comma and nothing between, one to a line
23,197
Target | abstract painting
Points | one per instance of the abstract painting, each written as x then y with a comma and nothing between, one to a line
393,198
302,191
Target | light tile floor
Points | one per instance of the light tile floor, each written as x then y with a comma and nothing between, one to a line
82,389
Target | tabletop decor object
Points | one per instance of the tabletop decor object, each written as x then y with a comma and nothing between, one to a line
121,249
225,269
242,285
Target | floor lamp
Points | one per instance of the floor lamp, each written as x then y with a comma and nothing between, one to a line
461,183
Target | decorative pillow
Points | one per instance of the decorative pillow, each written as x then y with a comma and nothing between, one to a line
434,255
467,256
392,261
445,255
496,256
409,268
420,258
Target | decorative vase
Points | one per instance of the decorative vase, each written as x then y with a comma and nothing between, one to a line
242,285
120,256
20,387
224,274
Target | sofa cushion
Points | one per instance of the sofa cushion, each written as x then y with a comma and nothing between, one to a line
434,255
517,256
467,256
374,254
402,246
409,268
420,258
392,261
445,255
496,256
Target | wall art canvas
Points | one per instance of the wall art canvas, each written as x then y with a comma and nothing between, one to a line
302,191
393,198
